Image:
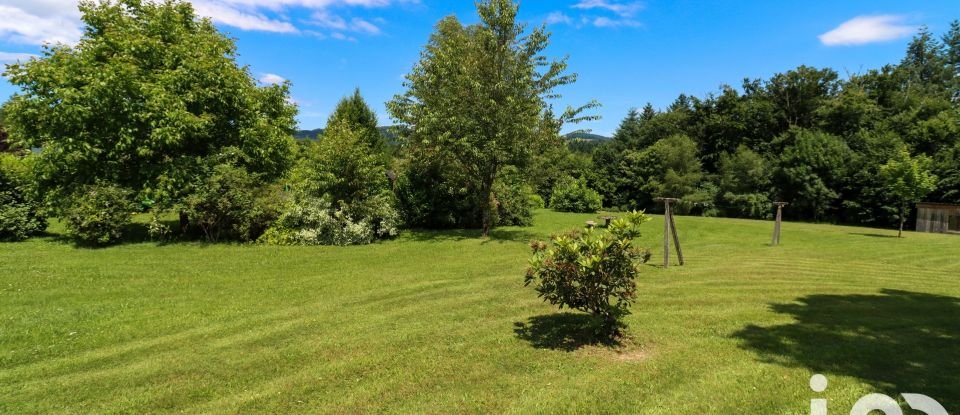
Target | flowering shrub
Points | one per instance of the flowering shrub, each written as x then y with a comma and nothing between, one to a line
591,270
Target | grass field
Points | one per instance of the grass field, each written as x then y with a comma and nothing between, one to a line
439,322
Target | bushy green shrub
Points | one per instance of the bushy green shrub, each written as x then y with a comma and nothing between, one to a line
97,214
313,221
573,195
20,215
515,199
230,204
591,270
341,194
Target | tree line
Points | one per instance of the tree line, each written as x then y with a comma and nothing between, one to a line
805,136
150,112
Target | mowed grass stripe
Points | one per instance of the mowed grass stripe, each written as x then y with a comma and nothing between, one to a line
425,324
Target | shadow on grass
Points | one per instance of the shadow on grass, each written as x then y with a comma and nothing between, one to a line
898,341
874,235
133,233
508,234
563,331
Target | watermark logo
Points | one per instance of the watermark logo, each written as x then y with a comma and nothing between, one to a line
880,403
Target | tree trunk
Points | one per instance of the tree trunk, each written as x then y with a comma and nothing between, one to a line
485,206
184,223
902,219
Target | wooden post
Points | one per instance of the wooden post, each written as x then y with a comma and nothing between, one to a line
669,227
676,239
776,226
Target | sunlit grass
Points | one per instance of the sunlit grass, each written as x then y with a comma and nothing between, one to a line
430,323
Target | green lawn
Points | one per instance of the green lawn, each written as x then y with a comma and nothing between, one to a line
439,322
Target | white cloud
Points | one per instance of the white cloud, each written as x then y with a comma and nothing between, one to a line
363,26
867,29
12,57
49,24
35,22
557,18
327,20
272,79
600,13
244,20
608,22
626,9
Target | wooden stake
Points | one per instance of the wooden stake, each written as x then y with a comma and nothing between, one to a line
776,226
669,227
676,239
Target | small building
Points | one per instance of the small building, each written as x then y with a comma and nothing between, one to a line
938,218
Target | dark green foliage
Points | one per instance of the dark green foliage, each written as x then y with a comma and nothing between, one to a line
591,270
668,168
745,184
798,93
515,199
811,172
5,145
20,209
97,214
573,195
554,163
429,196
803,136
947,166
231,204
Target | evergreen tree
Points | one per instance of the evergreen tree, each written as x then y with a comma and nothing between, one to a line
354,112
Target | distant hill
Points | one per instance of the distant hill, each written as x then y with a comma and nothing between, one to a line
585,136
584,142
313,134
307,134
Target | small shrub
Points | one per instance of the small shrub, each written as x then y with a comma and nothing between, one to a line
20,215
573,195
231,205
97,214
591,270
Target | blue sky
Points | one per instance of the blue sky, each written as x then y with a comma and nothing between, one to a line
626,52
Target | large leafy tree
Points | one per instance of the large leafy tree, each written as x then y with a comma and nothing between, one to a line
478,99
811,172
148,93
799,92
909,179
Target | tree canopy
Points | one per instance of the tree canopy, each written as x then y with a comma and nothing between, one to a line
478,99
148,93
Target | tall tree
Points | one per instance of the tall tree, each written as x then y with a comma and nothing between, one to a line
909,179
799,92
648,112
357,115
951,41
478,98
630,133
925,62
148,93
